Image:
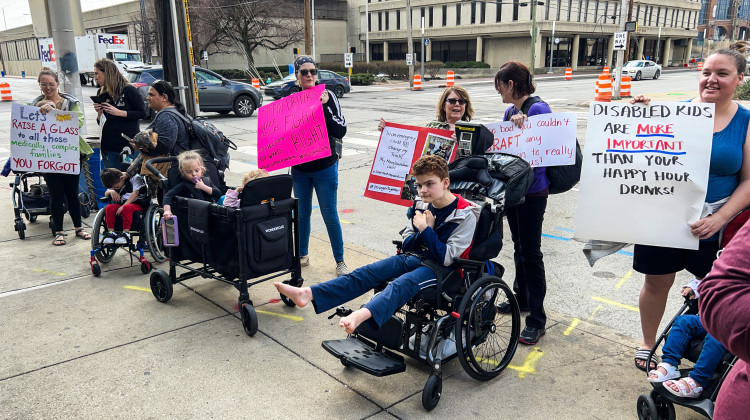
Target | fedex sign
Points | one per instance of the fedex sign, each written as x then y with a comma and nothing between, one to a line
47,52
111,39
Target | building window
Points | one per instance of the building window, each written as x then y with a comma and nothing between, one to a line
570,7
580,9
499,12
559,4
596,12
546,10
586,11
482,11
673,21
458,14
445,15
658,16
380,21
650,15
387,21
431,17
515,10
369,25
722,10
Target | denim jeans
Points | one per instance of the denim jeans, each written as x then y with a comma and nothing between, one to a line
114,159
326,183
410,277
530,286
685,328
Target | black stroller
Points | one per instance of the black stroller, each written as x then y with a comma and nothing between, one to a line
460,316
264,229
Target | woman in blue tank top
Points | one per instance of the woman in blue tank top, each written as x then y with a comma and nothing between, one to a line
728,193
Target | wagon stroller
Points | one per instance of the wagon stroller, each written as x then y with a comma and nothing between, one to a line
659,403
243,246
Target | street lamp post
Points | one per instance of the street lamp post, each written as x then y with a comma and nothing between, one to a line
533,36
657,46
703,43
367,31
552,46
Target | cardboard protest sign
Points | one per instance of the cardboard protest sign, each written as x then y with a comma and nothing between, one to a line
544,140
399,147
292,130
44,142
645,172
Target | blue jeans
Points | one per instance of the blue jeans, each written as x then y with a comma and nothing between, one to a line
685,328
326,184
114,159
410,277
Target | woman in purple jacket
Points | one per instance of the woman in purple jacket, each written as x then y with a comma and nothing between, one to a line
514,82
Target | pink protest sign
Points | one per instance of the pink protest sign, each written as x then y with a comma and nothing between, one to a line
292,130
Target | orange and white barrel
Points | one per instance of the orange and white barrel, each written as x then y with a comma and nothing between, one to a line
605,70
449,78
700,66
604,88
5,94
256,83
568,74
417,82
625,87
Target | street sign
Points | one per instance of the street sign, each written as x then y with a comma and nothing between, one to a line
348,60
557,40
621,38
631,26
426,42
409,60
205,55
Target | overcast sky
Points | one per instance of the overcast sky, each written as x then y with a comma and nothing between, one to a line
16,13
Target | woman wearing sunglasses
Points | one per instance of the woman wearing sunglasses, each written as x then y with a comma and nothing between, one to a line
321,175
514,82
454,105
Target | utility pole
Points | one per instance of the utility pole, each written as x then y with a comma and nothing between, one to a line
61,23
367,31
533,36
621,53
312,24
176,51
308,36
422,71
410,42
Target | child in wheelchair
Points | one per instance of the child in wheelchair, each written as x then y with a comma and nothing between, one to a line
127,195
685,328
194,184
441,228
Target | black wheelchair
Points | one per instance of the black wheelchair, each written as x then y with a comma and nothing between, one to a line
243,246
460,316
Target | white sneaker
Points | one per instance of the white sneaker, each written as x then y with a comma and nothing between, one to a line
304,261
341,268
109,238
123,239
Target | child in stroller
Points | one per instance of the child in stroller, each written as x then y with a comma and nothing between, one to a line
194,184
232,197
685,328
127,197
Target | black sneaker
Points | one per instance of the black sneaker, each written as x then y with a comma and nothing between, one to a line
531,335
504,308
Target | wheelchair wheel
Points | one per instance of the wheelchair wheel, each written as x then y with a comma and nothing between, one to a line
487,338
647,408
145,267
249,319
161,286
98,231
152,230
431,391
96,270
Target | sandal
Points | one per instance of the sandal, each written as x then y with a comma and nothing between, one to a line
59,239
672,373
82,234
642,355
684,392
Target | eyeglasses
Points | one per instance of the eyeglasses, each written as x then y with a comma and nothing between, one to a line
454,101
312,72
46,85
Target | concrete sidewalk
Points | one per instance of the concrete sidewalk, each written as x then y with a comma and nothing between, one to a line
76,346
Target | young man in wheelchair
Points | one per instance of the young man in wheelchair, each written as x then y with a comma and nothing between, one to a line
441,228
127,195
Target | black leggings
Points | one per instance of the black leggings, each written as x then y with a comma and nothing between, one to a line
62,186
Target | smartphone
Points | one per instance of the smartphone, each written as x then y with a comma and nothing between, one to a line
169,232
98,99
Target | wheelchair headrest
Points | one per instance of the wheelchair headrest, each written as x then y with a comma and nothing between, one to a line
276,188
471,169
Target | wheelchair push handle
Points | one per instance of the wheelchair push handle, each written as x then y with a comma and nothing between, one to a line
150,165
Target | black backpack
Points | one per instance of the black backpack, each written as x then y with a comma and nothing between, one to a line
206,137
561,178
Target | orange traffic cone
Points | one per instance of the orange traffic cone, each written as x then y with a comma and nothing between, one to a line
256,83
449,78
5,94
604,88
568,74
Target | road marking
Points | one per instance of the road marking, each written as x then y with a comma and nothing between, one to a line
41,270
361,142
248,150
559,238
529,365
369,133
572,326
594,312
285,316
41,286
241,167
618,304
142,289
624,279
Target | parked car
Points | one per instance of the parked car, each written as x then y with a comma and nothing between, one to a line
334,82
638,69
215,93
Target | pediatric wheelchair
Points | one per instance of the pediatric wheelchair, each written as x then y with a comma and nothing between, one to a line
243,246
460,316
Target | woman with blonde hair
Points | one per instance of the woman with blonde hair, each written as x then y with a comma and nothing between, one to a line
118,111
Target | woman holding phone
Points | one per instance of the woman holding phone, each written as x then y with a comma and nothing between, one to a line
119,106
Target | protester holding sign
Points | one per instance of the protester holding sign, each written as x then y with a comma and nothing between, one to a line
453,106
321,174
62,186
119,106
728,192
514,82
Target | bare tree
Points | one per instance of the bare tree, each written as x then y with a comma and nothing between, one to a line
246,25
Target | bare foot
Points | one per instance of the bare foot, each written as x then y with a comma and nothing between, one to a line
300,296
351,322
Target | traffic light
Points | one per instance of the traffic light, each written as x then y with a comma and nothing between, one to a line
353,50
295,51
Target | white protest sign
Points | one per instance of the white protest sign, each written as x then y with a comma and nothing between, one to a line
395,153
44,142
645,172
544,140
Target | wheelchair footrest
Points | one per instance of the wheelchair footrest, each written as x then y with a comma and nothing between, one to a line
363,356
